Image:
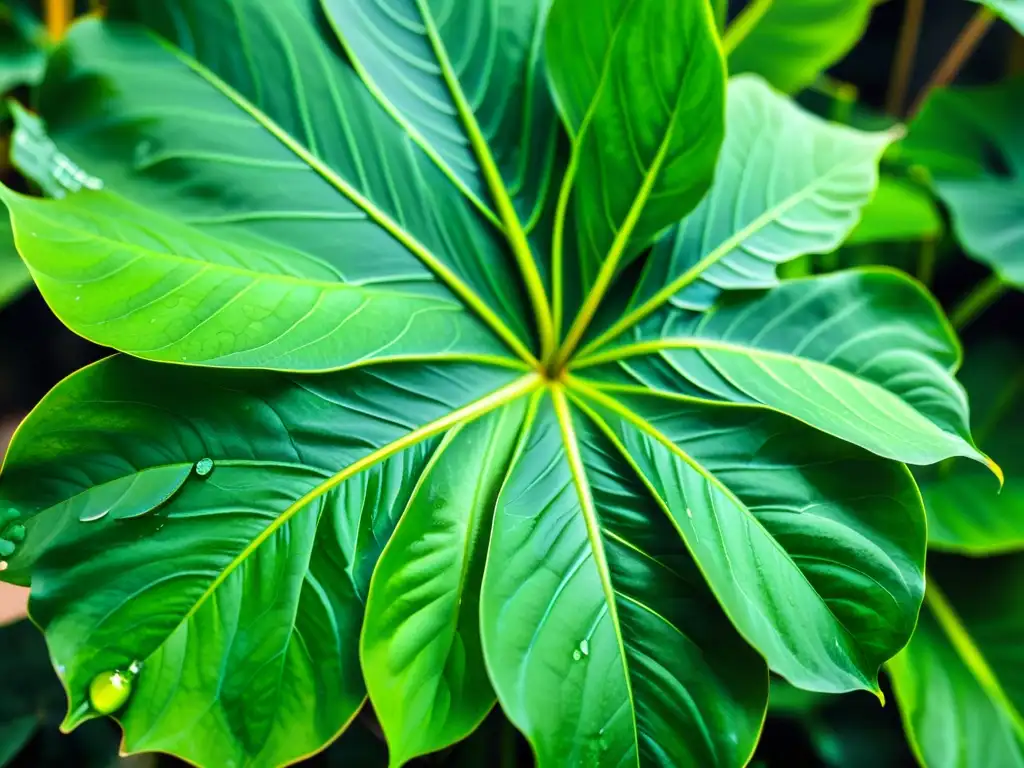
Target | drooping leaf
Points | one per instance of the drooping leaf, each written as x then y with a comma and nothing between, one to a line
900,210
970,141
421,649
965,511
959,682
641,89
773,200
796,40
863,355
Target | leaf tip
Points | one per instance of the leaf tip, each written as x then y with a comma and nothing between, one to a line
996,470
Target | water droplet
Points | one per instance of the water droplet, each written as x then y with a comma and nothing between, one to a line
584,647
9,515
576,655
204,467
689,513
61,669
109,691
78,298
15,533
6,548
3,566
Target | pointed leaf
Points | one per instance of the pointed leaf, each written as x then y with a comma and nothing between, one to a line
814,548
773,200
641,88
959,682
420,645
601,639
863,355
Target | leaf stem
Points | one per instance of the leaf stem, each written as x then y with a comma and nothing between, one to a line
744,24
926,261
906,51
58,16
958,55
977,301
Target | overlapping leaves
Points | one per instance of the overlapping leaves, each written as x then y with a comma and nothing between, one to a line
615,544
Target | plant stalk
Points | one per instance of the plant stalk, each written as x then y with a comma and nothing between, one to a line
958,55
744,24
906,51
58,16
977,301
926,261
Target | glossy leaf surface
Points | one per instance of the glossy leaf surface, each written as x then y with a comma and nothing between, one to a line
958,683
796,40
970,141
434,486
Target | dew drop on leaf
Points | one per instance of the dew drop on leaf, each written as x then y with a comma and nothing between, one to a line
15,533
576,655
204,467
3,566
584,647
109,691
6,548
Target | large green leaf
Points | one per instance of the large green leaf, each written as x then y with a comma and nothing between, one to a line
773,200
275,160
602,640
970,141
862,355
429,501
960,682
965,513
795,40
242,594
421,648
641,88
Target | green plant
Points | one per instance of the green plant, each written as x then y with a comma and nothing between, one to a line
466,376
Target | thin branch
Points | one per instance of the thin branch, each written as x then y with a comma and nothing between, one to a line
958,55
58,16
906,51
744,24
977,301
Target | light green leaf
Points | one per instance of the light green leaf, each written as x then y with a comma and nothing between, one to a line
600,636
959,682
278,157
796,40
966,511
773,200
23,45
242,596
187,297
784,538
863,355
420,646
900,210
641,89
970,141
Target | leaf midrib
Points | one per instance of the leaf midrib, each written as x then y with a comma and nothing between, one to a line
691,275
413,245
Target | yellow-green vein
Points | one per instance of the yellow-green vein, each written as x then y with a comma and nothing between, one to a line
499,192
589,511
414,246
